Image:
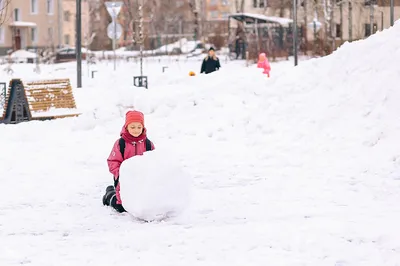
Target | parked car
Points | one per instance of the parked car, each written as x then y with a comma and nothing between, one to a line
68,54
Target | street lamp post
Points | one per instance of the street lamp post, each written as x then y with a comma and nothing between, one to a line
371,17
295,31
78,44
391,12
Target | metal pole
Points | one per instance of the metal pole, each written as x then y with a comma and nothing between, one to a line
141,36
305,30
114,40
350,21
332,25
60,23
371,18
391,12
315,36
295,31
341,22
78,44
381,20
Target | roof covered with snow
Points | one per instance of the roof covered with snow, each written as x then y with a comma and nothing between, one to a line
22,24
259,18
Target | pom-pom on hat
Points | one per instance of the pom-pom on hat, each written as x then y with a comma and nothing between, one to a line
134,116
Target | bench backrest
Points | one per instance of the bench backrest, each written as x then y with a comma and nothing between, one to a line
49,94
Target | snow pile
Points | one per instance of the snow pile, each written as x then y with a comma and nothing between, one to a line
23,54
183,44
154,186
339,113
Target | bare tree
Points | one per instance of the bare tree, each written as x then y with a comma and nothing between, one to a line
195,11
4,16
99,20
49,55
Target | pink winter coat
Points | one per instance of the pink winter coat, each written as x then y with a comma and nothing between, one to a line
264,64
133,146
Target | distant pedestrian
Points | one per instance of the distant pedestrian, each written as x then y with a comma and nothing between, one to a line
210,63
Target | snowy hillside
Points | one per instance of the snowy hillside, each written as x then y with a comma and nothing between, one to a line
299,169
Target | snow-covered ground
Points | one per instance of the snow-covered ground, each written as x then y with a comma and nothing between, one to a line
299,169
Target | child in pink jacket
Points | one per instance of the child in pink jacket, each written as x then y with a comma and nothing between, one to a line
263,63
133,142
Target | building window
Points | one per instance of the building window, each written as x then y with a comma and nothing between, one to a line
338,31
214,14
34,35
225,2
34,6
17,14
261,4
67,15
66,39
50,6
1,35
367,27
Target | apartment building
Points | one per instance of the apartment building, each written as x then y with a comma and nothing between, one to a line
218,9
30,24
347,25
361,16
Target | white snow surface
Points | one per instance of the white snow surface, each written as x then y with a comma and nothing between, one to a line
23,54
154,186
302,168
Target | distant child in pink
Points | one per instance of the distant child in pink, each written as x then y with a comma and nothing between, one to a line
263,63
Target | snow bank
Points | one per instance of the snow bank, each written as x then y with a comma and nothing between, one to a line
154,186
342,108
23,54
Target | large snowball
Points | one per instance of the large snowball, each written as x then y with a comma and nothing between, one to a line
154,186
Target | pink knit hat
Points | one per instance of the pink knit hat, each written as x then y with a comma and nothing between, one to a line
134,116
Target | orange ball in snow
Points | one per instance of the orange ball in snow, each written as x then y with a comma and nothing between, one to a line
191,73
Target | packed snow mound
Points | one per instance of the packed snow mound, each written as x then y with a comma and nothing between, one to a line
154,186
368,63
342,108
360,65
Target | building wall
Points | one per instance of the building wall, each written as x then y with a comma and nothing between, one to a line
69,22
42,25
218,9
360,17
360,14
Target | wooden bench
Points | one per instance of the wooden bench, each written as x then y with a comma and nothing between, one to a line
39,100
50,99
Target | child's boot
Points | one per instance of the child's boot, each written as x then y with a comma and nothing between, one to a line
110,192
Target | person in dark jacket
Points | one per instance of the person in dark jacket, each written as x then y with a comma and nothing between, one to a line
210,63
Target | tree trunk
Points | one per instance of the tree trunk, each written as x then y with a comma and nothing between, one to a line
305,31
